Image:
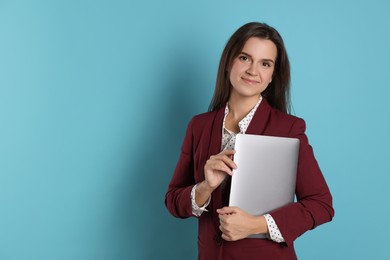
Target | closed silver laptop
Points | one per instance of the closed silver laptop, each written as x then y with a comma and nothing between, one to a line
266,173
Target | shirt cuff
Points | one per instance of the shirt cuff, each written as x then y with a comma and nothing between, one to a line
196,210
274,232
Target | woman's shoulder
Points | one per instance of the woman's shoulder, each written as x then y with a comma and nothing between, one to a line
205,115
277,114
203,122
287,121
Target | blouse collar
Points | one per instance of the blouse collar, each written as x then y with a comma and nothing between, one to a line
244,123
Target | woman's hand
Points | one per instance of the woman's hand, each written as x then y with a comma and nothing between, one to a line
215,170
217,166
236,224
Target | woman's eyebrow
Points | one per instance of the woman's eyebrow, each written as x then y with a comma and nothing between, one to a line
247,54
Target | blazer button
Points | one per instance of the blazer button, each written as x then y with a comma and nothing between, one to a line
218,239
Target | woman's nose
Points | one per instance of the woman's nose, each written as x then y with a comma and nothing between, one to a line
251,70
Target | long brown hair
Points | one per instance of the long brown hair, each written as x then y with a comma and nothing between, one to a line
278,91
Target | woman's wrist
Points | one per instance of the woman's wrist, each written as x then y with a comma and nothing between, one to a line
259,225
207,187
204,188
202,193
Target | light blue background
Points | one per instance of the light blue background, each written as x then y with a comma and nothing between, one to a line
95,97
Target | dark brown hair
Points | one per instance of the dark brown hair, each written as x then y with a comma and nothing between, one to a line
278,91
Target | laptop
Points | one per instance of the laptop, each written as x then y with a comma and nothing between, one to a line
266,173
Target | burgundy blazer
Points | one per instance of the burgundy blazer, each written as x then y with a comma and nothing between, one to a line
203,139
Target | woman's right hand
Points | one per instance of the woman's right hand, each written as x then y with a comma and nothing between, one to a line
217,166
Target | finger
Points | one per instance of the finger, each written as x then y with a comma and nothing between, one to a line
216,165
227,210
221,166
229,162
223,230
222,220
226,232
224,162
228,152
225,237
226,156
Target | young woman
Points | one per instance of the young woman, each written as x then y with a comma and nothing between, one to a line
251,96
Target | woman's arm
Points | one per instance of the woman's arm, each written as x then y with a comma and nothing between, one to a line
314,201
178,197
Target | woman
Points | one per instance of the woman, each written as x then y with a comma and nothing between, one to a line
251,96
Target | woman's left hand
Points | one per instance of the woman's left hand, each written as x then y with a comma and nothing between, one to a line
237,224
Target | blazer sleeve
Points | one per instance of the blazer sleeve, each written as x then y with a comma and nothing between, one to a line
178,196
314,201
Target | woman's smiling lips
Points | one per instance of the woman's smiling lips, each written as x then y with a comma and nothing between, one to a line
249,81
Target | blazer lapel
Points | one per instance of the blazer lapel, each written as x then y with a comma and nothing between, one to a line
215,148
260,119
216,133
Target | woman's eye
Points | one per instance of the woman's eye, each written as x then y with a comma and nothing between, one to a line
266,64
243,58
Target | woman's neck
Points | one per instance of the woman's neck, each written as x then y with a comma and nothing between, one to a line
240,107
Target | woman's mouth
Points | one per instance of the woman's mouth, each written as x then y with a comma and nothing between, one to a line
250,81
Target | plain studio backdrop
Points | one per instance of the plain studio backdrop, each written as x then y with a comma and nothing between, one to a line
95,97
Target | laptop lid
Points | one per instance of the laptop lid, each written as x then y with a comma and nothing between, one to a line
266,173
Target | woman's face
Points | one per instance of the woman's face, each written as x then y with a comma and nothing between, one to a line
252,69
